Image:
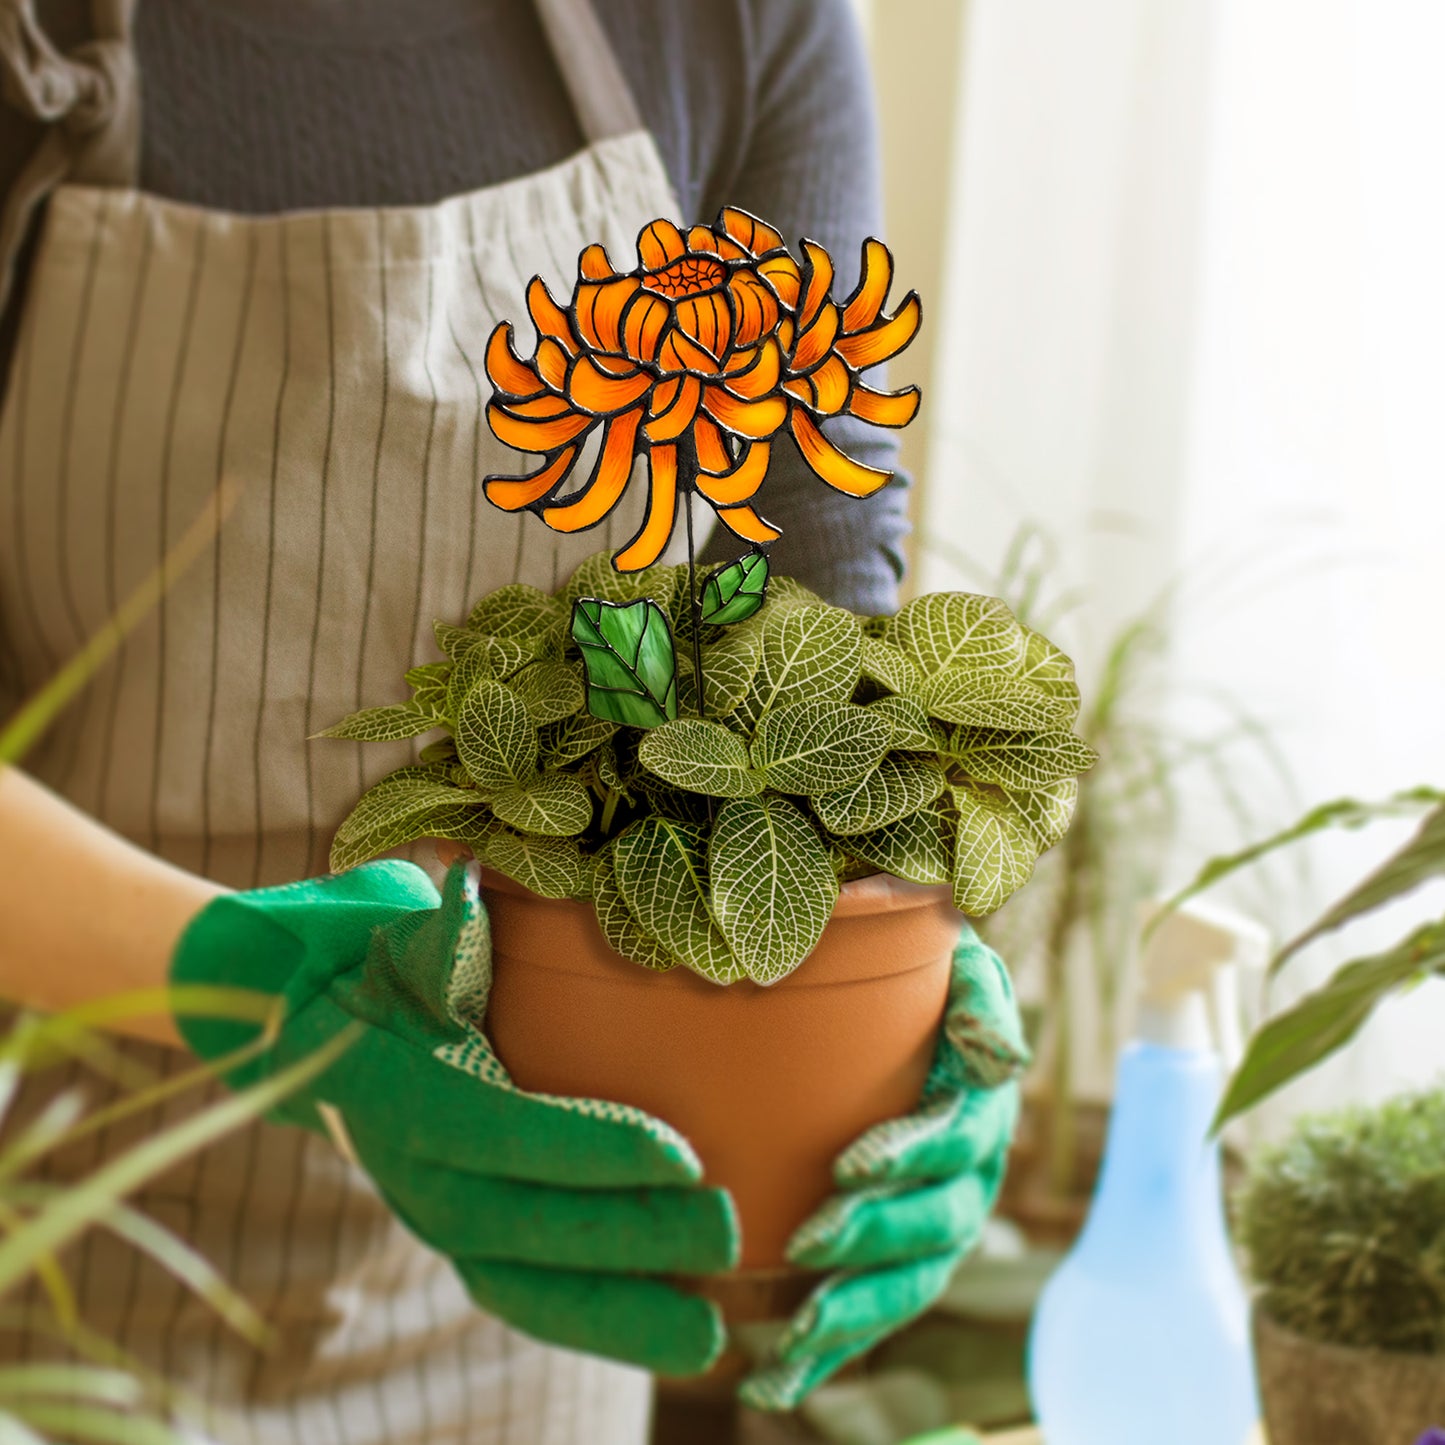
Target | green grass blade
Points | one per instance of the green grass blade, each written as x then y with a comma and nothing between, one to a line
76,1382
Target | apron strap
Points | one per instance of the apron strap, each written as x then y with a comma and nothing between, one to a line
88,99
600,93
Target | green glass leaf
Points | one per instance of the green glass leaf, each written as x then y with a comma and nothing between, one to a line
911,730
993,853
630,660
728,668
495,737
987,698
1047,812
551,867
1323,1021
660,870
619,925
574,739
519,612
733,593
703,757
384,724
1024,760
808,653
555,805
918,847
773,884
893,790
943,628
401,808
817,747
890,665
551,691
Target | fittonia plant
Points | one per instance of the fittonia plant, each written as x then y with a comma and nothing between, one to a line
711,812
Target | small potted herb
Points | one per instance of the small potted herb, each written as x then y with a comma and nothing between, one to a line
1344,1223
679,782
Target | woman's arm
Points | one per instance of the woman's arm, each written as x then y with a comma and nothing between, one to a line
83,913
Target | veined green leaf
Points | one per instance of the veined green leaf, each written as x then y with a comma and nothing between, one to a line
789,592
443,751
384,724
496,739
993,852
773,884
990,699
555,805
1046,814
1023,760
728,668
911,729
661,872
703,757
551,867
619,926
488,659
817,747
890,665
597,577
429,685
678,804
454,641
517,611
572,740
808,654
918,847
630,660
944,628
734,592
893,790
398,810
1327,1019
1046,667
552,691
610,771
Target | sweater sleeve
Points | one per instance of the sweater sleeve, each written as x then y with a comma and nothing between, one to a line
810,167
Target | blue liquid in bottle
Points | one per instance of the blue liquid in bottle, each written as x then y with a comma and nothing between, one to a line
1141,1337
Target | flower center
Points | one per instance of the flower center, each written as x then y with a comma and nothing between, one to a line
687,276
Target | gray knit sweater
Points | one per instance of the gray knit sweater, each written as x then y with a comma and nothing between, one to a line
273,105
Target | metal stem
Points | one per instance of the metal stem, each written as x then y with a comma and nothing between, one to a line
686,478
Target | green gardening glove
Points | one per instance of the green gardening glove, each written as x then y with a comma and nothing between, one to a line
562,1216
914,1192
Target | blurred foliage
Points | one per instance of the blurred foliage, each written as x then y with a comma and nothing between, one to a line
1344,1223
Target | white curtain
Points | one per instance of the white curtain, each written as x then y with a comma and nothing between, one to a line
1193,321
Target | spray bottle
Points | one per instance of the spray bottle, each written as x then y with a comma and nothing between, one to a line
1141,1336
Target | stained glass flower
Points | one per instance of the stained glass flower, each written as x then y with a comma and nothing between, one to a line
718,341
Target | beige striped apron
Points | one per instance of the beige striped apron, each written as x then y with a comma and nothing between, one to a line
329,363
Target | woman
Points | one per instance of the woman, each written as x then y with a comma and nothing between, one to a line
286,285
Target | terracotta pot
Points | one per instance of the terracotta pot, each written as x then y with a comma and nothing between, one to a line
769,1084
1315,1393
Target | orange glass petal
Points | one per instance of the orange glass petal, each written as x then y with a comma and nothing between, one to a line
818,279
643,323
507,372
536,436
646,547
539,408
835,468
752,419
707,320
868,348
754,305
762,376
604,488
867,300
667,426
782,274
552,363
593,263
748,525
679,352
592,390
755,235
885,408
816,342
511,494
712,449
659,243
548,317
599,308
740,484
824,389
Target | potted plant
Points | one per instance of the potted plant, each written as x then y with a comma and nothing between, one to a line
1344,1224
683,787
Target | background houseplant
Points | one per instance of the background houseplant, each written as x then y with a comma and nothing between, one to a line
1344,1224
